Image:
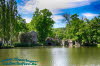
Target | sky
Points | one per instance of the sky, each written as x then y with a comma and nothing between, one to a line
84,8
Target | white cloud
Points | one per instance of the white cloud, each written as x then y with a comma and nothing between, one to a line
28,20
56,18
52,5
59,25
58,22
59,4
28,7
89,14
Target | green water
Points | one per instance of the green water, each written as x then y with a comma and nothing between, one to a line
55,56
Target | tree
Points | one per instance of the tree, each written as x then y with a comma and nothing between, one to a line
8,21
42,23
59,33
21,27
93,30
21,24
84,31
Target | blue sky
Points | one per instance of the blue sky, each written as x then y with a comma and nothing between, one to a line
84,8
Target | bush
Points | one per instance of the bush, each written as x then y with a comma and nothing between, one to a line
7,46
18,44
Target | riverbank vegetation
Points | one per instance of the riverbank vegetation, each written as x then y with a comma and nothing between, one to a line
82,30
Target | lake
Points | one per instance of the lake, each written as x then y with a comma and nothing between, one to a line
55,56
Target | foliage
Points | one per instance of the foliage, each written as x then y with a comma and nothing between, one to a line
21,25
59,33
42,23
83,31
8,21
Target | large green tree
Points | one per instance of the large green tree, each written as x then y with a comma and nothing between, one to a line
8,21
42,23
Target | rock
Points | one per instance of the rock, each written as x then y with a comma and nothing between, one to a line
52,42
29,37
49,41
68,42
64,42
77,44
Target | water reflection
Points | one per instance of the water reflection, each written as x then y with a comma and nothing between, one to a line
85,56
60,57
55,56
